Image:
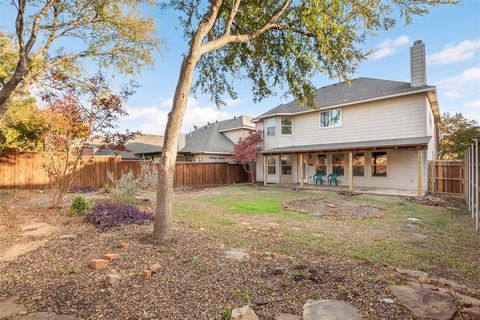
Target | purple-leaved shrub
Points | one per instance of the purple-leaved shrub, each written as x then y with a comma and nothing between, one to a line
114,216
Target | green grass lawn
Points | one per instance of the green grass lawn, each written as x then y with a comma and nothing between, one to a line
246,216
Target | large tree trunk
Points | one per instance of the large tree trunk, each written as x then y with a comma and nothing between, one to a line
163,210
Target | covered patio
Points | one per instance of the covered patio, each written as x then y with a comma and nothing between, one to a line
391,166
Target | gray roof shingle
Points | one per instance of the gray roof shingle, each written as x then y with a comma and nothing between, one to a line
142,143
344,93
402,142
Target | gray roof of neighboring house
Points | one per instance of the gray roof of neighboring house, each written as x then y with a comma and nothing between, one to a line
357,90
402,142
143,143
210,139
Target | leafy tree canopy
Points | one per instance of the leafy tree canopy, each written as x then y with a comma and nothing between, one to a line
456,134
61,35
285,43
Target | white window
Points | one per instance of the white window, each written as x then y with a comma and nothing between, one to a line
272,165
379,164
286,165
271,124
338,163
286,125
331,118
359,164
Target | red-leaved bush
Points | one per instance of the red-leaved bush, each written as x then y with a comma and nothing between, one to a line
245,151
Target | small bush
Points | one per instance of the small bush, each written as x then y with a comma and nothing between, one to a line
148,175
124,189
110,216
80,206
82,190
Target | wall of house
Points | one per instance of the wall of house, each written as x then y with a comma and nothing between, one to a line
235,135
401,171
400,117
211,158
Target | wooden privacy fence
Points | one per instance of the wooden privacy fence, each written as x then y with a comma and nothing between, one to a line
446,176
472,176
24,170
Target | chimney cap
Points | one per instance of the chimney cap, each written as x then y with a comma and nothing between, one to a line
417,42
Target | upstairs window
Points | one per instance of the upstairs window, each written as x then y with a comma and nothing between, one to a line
272,165
331,118
359,164
338,163
379,164
271,125
286,125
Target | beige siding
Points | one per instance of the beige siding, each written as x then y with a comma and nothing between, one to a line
235,135
400,117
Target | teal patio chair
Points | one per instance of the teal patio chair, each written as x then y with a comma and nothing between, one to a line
332,179
318,178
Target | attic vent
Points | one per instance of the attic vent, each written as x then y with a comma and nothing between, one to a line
234,117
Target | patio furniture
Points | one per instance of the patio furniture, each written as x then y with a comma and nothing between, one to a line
318,178
332,179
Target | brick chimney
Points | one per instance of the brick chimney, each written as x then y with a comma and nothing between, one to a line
418,65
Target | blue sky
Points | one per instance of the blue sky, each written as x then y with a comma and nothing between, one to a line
451,34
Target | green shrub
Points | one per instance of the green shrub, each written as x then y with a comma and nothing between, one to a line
80,206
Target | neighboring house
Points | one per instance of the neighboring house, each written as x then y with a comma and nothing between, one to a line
136,148
210,143
372,133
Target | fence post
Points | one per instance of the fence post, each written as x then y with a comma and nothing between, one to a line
477,191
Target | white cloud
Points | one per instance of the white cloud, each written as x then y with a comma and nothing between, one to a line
461,85
389,47
153,119
473,104
452,53
232,102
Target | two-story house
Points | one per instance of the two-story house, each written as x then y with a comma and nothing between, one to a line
372,133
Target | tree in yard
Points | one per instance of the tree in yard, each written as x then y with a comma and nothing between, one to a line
77,114
274,43
61,35
456,135
245,151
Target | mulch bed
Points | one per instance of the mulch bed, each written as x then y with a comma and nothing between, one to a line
337,209
196,280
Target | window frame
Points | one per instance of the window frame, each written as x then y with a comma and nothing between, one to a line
364,155
334,165
274,120
325,164
373,166
287,126
272,165
328,111
282,165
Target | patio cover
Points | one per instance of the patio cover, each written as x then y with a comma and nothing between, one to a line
356,145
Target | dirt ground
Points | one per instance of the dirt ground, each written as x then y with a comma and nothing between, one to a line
196,280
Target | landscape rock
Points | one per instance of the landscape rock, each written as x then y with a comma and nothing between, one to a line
388,300
413,219
244,313
287,316
122,245
69,236
45,316
412,273
411,225
155,268
419,236
111,256
38,230
425,304
329,310
18,249
9,307
473,312
237,254
279,270
146,274
112,280
466,301
98,264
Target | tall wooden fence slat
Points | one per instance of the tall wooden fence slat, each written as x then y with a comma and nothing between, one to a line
446,176
25,170
472,181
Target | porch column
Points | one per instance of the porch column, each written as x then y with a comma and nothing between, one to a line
419,173
265,170
301,169
350,171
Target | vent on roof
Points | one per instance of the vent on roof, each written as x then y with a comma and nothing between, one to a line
234,117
